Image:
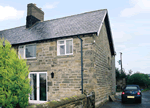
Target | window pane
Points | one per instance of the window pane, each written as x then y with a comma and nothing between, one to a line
42,86
33,84
62,49
131,88
69,46
21,51
61,42
30,51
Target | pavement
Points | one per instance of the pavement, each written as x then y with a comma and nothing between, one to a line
130,104
118,93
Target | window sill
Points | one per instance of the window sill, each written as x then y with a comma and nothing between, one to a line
64,56
34,58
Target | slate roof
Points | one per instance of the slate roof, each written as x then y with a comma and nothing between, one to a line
84,23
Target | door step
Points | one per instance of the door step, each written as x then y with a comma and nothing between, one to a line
112,98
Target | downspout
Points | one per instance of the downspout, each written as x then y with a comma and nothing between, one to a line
81,66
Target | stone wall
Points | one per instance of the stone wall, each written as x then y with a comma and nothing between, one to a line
103,72
80,101
66,69
113,75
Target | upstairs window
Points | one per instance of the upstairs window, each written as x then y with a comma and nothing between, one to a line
65,47
27,51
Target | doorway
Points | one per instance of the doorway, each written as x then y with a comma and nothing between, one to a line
39,87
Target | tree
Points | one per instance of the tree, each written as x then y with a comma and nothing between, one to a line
120,74
123,74
139,79
117,73
128,75
130,72
14,81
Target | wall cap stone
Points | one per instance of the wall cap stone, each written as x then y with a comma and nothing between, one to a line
55,103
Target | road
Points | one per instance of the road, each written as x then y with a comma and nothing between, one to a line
117,104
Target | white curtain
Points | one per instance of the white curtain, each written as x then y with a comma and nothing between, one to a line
32,85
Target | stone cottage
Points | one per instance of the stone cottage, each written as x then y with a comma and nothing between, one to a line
53,48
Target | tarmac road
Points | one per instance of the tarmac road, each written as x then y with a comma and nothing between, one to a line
117,103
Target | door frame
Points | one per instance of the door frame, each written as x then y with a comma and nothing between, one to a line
38,88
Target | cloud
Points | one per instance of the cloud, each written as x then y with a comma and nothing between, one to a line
121,46
139,6
144,44
121,36
8,12
121,32
51,6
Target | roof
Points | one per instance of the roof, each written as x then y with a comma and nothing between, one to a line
89,22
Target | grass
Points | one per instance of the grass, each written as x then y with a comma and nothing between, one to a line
146,89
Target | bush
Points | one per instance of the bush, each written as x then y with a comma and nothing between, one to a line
14,82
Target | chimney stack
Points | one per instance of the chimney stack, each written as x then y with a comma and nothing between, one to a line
34,14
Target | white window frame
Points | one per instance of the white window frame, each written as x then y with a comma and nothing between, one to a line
24,47
58,47
38,90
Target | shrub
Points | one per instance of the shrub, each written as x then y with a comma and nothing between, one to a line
14,82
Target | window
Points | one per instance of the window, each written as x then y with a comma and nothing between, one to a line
27,51
65,47
131,87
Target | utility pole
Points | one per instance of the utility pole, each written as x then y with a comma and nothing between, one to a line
121,61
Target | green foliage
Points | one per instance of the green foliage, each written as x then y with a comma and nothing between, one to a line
120,74
146,89
139,79
117,73
14,82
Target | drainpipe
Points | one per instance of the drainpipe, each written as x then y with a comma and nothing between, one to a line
81,65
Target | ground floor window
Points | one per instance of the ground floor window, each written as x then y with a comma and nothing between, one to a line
39,87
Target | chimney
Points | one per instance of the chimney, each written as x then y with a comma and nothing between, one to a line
34,14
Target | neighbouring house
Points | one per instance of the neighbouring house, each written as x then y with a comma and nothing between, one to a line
53,47
148,76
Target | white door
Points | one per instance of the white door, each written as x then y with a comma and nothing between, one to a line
39,87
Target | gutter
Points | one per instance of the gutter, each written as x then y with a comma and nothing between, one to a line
81,66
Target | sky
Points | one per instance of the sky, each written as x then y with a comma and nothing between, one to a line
129,21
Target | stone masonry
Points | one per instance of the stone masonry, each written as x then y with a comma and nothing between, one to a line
100,71
97,66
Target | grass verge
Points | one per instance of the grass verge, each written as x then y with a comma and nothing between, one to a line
146,89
